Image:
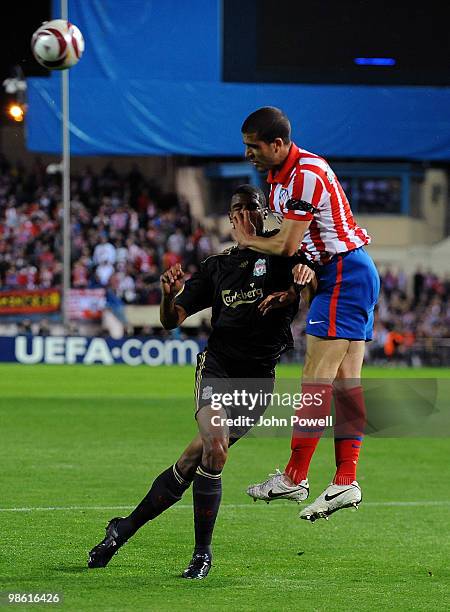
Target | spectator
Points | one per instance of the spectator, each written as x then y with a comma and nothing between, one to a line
103,272
104,252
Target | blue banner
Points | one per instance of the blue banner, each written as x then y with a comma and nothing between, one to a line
106,351
149,83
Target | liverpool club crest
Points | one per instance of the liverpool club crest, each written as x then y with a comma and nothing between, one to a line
260,267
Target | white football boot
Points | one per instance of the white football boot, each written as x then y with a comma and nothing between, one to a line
275,487
332,499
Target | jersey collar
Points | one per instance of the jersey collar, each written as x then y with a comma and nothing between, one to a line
282,175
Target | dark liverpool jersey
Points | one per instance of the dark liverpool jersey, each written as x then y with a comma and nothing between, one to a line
234,283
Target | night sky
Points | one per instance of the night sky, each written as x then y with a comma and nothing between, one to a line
21,19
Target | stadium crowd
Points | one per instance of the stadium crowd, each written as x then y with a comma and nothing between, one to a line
412,317
125,231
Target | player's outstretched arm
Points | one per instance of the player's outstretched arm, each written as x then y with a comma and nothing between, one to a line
172,282
285,242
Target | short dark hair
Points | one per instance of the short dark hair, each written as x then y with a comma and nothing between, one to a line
254,192
268,123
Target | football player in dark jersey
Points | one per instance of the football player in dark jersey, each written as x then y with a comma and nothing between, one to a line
253,302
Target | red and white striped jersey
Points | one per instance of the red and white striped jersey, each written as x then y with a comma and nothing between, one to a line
308,177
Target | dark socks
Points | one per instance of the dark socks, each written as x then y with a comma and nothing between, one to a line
207,493
165,491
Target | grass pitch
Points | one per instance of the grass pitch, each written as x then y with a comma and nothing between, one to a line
82,444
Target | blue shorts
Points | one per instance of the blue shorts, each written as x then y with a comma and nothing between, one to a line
346,295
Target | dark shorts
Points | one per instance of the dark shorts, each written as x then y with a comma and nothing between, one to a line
242,389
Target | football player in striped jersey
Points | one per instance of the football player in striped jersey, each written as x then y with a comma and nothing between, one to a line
317,219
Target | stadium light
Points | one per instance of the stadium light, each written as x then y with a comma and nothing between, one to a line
16,112
16,87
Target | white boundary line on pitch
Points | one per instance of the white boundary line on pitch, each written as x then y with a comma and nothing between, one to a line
250,505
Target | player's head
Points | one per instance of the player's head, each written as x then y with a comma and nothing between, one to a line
267,137
248,197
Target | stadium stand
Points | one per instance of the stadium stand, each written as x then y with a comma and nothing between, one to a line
125,231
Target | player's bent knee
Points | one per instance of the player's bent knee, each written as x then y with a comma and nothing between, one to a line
215,452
